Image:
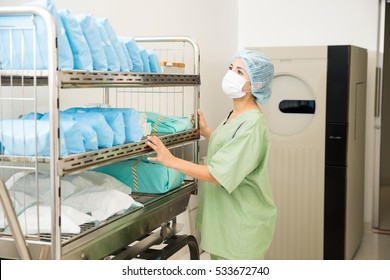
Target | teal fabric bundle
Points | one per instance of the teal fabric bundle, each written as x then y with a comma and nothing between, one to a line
164,124
144,176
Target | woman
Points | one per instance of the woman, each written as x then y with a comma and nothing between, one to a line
236,215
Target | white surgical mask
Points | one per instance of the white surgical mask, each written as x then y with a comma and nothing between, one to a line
232,85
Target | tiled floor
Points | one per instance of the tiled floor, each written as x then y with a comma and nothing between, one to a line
374,246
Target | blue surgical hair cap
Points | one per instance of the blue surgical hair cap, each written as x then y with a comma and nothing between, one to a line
261,73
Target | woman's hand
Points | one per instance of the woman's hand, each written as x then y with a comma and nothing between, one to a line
163,155
204,130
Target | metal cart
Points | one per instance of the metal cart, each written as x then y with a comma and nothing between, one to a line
122,236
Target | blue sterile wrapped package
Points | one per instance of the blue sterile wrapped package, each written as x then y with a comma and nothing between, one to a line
131,117
73,137
17,49
112,57
92,35
144,176
80,49
134,53
19,137
124,67
32,116
129,62
97,121
154,62
165,124
89,135
113,118
145,59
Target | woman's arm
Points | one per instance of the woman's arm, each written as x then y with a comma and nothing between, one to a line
165,157
204,130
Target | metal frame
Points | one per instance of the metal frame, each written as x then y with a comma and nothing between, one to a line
128,227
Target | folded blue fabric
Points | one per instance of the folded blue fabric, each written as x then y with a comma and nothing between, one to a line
145,59
131,119
134,53
97,121
165,124
80,49
112,57
129,62
21,42
91,33
89,135
32,116
124,67
144,176
19,137
115,121
154,62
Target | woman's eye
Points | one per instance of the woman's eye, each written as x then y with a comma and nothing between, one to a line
230,67
240,72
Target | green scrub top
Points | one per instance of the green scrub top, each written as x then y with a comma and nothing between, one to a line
237,219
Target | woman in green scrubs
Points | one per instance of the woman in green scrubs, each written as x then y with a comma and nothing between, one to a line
236,215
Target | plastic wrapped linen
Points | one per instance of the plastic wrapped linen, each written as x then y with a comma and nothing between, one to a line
144,176
86,197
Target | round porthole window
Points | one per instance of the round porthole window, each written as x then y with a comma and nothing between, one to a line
291,107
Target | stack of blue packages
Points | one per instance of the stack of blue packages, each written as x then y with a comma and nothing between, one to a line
134,53
24,137
89,135
125,122
113,118
91,33
13,43
105,134
80,49
124,66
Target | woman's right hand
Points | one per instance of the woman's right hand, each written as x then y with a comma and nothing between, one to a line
204,130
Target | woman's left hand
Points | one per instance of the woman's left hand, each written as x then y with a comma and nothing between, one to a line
163,155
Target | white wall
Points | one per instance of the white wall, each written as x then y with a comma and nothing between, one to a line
316,22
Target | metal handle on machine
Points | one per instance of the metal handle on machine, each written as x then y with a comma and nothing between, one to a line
13,223
378,91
